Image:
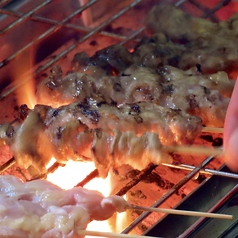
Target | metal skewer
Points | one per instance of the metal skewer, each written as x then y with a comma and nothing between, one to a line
7,165
202,171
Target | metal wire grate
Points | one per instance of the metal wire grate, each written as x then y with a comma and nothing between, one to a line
88,32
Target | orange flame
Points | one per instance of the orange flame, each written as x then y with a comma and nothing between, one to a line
71,174
68,176
23,80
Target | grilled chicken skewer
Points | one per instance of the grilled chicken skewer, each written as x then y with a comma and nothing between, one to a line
168,87
34,146
199,41
101,133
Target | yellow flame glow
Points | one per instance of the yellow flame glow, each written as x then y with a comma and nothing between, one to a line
71,174
23,81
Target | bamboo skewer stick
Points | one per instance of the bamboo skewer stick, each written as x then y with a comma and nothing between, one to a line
213,129
199,150
181,212
152,209
109,234
202,171
168,211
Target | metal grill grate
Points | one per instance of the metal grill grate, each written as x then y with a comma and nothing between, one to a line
84,32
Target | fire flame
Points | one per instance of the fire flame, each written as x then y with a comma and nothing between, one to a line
73,172
23,80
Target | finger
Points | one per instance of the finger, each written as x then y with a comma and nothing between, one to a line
231,120
231,151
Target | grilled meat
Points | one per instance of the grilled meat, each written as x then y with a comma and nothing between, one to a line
217,81
212,45
177,93
41,209
108,135
113,59
200,92
171,125
157,51
189,91
178,25
93,83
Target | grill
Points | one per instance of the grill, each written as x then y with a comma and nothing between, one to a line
53,37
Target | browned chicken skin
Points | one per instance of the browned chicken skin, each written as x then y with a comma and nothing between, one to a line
206,96
108,135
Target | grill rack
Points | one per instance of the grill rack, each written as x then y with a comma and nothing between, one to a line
89,32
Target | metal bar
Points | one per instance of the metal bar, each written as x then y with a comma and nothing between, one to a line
65,52
88,178
216,8
199,5
24,17
4,2
132,36
145,172
47,33
51,169
173,190
202,171
67,25
7,165
203,9
216,207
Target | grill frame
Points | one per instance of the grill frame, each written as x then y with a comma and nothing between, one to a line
213,195
87,34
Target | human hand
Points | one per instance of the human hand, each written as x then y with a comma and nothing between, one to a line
230,137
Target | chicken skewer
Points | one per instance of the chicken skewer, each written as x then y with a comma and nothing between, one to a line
55,211
109,234
213,130
77,132
213,53
169,88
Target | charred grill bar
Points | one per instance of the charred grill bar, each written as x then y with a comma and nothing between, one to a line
79,33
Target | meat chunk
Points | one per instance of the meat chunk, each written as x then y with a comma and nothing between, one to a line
40,209
113,59
211,45
184,92
178,25
91,83
105,134
166,86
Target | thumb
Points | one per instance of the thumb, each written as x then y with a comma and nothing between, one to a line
231,151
